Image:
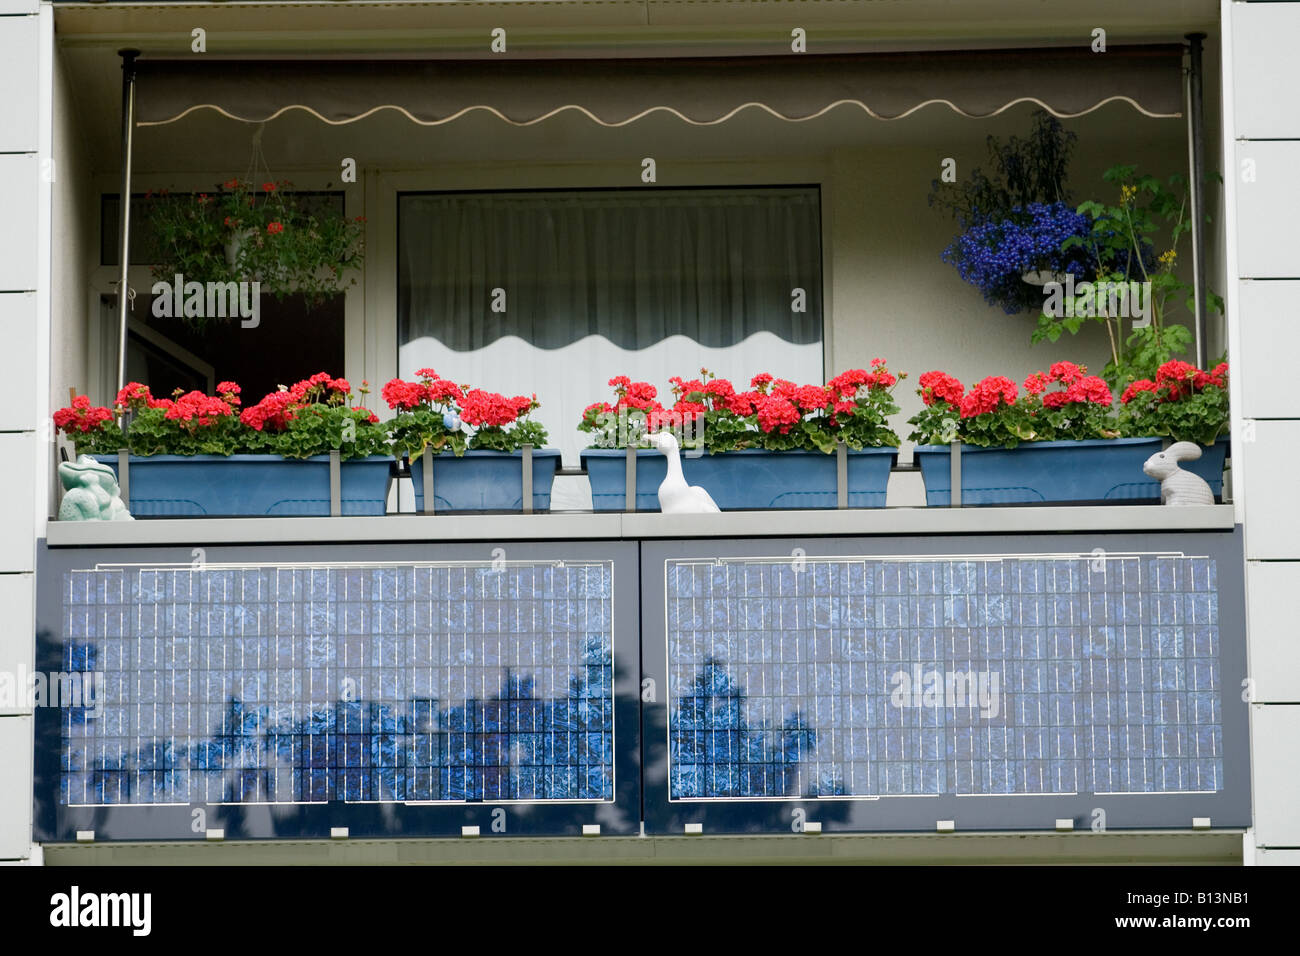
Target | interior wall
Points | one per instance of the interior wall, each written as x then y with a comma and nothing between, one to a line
74,218
894,297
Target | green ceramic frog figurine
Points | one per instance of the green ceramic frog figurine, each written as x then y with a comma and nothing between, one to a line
91,492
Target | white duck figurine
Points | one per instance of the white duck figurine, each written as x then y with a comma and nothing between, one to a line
675,496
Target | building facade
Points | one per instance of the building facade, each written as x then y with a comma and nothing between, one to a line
558,117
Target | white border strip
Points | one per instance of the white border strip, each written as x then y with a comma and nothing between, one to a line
661,109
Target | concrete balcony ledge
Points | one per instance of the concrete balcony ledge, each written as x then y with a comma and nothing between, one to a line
891,522
1140,847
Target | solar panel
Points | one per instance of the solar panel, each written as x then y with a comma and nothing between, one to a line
393,683
929,676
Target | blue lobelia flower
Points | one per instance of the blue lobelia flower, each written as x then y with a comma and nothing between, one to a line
993,253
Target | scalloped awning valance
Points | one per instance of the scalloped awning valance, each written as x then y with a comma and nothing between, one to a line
1066,81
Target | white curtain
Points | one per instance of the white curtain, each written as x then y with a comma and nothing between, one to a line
557,292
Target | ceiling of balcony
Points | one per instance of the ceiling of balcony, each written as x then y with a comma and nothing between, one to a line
626,27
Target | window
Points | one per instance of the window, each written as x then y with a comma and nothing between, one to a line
290,342
558,291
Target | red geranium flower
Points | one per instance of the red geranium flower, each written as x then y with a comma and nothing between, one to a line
848,383
1067,373
81,416
939,386
743,403
275,411
1141,385
776,414
988,395
811,397
1037,383
402,396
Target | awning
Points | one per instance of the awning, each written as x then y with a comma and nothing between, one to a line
614,92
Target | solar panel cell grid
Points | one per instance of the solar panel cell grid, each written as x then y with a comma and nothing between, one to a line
293,685
870,677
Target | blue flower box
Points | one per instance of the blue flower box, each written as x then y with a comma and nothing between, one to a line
1049,472
485,480
241,486
607,471
749,480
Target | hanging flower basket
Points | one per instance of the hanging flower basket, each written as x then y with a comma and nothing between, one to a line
290,243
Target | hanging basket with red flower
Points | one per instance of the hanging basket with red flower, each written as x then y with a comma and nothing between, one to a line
290,242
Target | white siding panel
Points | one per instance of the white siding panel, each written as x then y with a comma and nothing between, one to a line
19,52
1277,774
17,500
17,597
16,788
1274,630
1272,495
18,360
18,210
1277,858
1268,71
1267,209
1270,326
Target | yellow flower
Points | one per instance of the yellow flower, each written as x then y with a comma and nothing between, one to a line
1167,258
1127,194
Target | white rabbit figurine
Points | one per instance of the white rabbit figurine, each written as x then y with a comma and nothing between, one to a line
1178,487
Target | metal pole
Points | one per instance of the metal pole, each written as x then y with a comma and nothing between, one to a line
1196,163
124,241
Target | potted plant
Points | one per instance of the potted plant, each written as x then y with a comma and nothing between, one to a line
616,426
1125,277
289,242
196,455
1016,222
1060,441
1183,403
768,447
473,439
